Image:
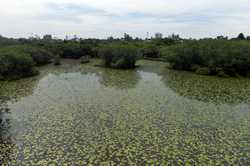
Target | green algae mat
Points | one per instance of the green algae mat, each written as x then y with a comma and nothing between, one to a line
85,115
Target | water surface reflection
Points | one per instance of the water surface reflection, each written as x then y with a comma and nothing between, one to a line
208,89
202,88
6,145
119,79
82,114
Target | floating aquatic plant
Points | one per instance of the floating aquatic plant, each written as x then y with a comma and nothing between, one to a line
82,115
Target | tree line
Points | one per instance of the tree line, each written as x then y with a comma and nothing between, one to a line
210,56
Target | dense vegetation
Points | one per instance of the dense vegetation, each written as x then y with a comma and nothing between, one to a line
211,57
15,64
19,58
39,55
150,51
220,56
119,56
74,50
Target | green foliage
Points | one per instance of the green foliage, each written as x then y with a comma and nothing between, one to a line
127,37
167,41
241,36
150,51
74,50
119,56
232,57
39,55
18,61
222,57
15,64
6,41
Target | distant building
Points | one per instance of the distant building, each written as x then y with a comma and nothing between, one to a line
158,35
47,37
174,37
75,38
67,38
127,37
222,37
110,38
34,37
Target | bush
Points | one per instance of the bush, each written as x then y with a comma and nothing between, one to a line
233,57
150,51
74,50
119,56
15,64
39,55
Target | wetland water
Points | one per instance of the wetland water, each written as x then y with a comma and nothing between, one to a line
81,115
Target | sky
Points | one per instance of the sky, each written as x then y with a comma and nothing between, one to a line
104,18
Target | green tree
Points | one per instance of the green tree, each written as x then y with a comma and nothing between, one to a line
127,37
241,36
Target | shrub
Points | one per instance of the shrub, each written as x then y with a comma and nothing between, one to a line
119,56
233,57
74,50
39,55
15,64
151,51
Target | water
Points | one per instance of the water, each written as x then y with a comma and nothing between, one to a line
81,115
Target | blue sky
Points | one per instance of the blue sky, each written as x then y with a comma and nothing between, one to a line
100,19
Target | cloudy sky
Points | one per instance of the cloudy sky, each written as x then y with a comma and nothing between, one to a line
103,18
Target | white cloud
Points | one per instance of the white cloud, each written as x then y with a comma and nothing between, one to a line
101,18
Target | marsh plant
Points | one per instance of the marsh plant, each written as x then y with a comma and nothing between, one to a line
74,50
211,57
40,55
150,51
15,64
119,56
